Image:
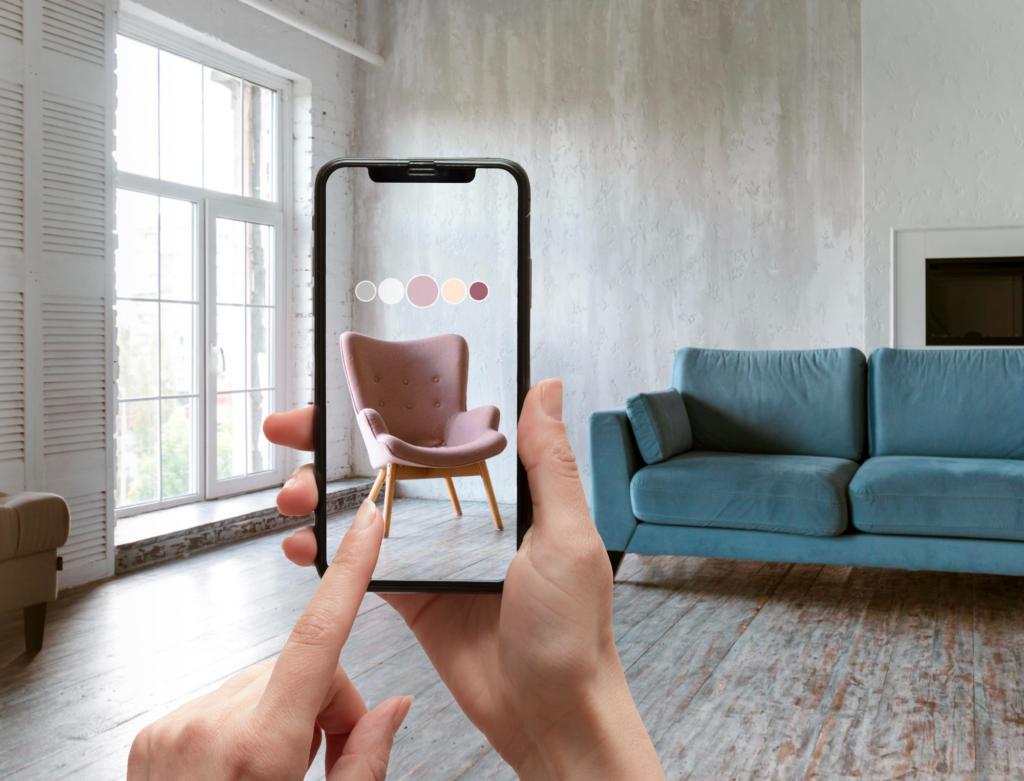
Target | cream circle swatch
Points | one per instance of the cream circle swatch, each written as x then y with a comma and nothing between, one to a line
421,291
391,291
453,291
366,291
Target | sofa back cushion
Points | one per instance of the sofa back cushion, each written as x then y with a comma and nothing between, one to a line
786,402
660,424
954,403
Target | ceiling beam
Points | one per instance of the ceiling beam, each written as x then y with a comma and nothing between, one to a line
300,22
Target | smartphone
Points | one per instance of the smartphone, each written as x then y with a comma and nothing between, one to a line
421,317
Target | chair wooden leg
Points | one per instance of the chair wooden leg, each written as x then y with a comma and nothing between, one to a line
490,495
35,622
389,498
377,484
453,496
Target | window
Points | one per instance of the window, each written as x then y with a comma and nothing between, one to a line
198,274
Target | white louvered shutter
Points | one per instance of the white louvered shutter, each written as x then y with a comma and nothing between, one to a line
56,266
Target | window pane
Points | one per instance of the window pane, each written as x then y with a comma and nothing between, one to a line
177,348
260,405
222,131
137,461
260,338
177,242
259,263
137,346
137,233
136,132
181,120
230,435
230,348
231,254
258,142
177,449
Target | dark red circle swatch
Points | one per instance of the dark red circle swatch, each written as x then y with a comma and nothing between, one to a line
478,291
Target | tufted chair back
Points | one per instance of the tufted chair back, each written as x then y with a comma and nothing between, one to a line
415,386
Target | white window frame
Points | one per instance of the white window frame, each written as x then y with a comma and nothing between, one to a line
210,203
243,213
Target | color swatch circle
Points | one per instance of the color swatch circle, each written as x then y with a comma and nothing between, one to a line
391,291
453,291
366,291
421,291
478,291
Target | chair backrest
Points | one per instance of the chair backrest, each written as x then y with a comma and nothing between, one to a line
781,402
415,385
953,403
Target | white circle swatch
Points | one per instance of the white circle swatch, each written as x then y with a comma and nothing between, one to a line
391,291
366,291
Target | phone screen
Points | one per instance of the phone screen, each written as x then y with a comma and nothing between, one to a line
424,363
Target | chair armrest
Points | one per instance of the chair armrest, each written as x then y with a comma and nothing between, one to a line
464,427
43,522
614,459
374,422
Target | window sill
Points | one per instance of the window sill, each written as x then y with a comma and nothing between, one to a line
178,532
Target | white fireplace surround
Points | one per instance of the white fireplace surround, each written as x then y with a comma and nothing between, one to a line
911,247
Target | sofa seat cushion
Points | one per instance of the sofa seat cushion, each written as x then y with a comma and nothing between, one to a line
940,497
792,494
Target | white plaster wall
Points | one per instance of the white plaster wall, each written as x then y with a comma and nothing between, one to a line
696,167
943,127
324,122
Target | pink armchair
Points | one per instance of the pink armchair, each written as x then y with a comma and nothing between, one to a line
410,403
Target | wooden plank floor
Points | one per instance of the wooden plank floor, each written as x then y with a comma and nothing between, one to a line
428,541
740,669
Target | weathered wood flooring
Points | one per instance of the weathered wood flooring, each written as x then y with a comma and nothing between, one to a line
428,541
740,669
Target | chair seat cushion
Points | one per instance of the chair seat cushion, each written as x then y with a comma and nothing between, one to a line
792,494
940,497
32,522
487,445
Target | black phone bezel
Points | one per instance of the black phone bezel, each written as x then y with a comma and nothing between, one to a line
450,170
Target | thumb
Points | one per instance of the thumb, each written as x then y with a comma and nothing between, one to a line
368,748
549,461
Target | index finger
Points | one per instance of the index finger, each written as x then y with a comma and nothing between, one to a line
292,429
307,663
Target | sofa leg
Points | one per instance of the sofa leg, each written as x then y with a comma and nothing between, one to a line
615,557
35,622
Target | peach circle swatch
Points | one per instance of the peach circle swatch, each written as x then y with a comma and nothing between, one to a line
421,291
453,291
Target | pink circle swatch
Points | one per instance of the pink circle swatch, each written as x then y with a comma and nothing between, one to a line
422,291
478,291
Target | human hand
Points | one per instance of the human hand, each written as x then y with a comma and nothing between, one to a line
536,668
268,721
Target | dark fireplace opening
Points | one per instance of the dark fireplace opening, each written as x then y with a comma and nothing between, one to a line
975,301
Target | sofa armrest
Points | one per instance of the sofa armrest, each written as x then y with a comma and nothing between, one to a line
614,459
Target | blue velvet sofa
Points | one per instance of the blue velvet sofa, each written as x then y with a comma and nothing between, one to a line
913,459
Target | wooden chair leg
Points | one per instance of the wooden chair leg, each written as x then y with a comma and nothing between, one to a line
453,496
35,622
377,484
490,495
389,498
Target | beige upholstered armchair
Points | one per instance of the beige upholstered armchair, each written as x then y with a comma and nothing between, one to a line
32,527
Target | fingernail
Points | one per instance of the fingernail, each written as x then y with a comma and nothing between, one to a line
400,713
365,515
551,399
288,483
